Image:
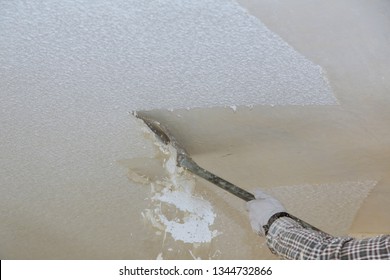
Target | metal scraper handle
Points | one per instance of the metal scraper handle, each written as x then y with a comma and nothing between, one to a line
186,162
193,167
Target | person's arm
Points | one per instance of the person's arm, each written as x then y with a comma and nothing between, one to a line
290,240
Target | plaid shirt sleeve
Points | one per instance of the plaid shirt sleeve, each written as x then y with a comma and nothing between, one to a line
289,240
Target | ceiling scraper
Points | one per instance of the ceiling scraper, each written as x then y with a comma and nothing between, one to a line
184,160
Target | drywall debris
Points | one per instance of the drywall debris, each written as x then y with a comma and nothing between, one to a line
184,215
175,208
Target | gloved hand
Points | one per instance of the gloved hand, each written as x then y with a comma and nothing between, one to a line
261,209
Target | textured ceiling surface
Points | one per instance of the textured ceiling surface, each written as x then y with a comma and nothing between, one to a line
150,55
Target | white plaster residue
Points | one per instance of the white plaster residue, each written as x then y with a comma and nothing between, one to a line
234,108
160,256
198,217
176,209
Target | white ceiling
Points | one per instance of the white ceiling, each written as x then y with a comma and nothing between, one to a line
134,55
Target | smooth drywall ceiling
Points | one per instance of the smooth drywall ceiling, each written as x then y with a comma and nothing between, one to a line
333,206
133,55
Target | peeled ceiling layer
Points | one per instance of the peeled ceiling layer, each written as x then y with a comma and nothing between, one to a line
135,55
336,204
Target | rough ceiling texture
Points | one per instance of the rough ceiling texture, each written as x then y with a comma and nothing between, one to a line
150,55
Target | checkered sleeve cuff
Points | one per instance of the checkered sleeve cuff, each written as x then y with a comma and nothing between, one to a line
290,240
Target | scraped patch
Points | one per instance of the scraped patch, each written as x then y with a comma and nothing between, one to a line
175,208
335,204
185,216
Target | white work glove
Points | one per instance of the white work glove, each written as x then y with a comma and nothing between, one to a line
261,209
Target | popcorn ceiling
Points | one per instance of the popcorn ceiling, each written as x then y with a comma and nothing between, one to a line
140,55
